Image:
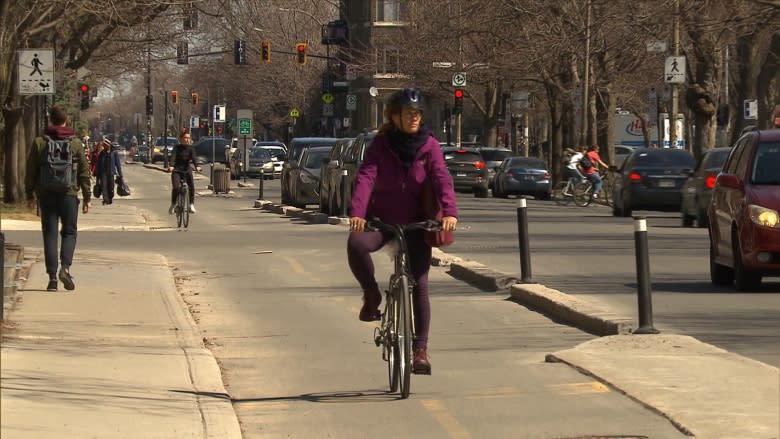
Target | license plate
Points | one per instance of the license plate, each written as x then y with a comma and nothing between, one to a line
460,175
528,177
666,183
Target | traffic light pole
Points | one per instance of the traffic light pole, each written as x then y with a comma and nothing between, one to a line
457,130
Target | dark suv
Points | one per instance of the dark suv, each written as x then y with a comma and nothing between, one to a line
744,214
468,170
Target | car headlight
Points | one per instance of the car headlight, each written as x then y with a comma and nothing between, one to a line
763,216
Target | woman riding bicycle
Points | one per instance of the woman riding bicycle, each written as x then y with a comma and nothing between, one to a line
183,155
388,186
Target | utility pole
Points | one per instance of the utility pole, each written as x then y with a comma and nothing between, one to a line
586,79
676,48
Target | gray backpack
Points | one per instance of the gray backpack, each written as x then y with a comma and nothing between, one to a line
56,166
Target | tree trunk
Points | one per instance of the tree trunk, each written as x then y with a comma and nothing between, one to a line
12,184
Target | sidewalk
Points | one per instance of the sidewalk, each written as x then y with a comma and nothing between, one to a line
109,360
128,361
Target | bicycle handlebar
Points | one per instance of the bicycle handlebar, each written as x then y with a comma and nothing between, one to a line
374,224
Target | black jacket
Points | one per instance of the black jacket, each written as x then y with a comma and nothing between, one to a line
183,156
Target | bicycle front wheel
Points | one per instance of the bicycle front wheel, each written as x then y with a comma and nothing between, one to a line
391,350
180,208
583,193
404,338
186,213
558,194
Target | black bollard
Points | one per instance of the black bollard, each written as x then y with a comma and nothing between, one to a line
260,185
645,301
343,193
522,236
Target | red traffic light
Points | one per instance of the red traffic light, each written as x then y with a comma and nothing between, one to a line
84,88
458,93
301,48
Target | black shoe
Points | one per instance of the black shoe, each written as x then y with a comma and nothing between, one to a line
66,279
52,285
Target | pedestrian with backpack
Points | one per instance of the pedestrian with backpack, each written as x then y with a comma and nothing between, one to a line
57,169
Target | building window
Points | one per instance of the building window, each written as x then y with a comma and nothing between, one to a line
388,10
388,60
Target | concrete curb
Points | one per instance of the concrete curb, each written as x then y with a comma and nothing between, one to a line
576,312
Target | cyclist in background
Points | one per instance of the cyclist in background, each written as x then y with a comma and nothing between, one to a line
571,168
388,186
183,155
592,173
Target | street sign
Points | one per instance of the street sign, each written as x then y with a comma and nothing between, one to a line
674,70
459,79
36,71
351,102
194,121
245,122
328,98
351,73
751,109
327,109
219,113
295,113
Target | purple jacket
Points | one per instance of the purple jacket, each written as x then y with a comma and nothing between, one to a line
385,190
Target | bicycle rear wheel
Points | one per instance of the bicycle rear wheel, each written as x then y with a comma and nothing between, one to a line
186,213
391,351
558,194
404,337
583,193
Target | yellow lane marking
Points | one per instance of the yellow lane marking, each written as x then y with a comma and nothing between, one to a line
297,267
579,388
445,419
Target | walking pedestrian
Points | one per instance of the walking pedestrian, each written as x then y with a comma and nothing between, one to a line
56,205
109,167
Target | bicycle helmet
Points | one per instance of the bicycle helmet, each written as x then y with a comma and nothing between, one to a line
408,97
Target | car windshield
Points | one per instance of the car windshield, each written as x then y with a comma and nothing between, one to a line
275,152
766,167
527,162
715,159
259,154
495,155
664,158
314,158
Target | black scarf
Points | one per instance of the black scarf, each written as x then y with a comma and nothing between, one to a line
406,145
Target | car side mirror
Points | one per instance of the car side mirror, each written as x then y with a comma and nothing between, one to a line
729,181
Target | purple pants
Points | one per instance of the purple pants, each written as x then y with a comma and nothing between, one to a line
360,245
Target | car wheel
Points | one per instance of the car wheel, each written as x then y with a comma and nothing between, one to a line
624,210
719,274
496,192
543,196
702,220
744,278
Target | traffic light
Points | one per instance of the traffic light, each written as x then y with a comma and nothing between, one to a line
300,49
194,99
175,96
265,50
458,107
84,95
149,105
239,52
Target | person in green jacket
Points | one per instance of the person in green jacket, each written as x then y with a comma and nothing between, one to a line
58,207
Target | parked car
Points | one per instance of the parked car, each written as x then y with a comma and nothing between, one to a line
258,159
297,146
277,150
697,189
330,174
621,152
163,146
744,214
468,170
304,177
650,179
236,142
353,158
493,158
522,176
208,145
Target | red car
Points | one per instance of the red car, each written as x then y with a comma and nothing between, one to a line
744,218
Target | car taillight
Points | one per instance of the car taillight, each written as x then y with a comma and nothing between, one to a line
634,177
479,165
710,181
546,176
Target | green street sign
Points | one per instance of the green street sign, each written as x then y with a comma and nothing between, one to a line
245,127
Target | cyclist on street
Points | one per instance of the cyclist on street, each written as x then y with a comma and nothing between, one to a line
592,173
388,186
183,155
572,167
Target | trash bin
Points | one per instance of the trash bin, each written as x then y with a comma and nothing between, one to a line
221,179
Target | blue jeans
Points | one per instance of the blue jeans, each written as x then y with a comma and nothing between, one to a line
55,209
596,179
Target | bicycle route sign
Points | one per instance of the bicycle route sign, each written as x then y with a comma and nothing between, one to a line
459,79
245,122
